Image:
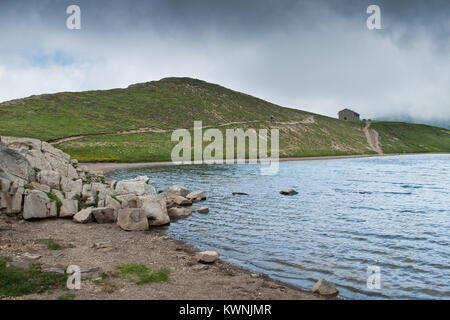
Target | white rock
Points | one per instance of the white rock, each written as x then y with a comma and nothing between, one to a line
35,205
132,219
155,210
182,201
325,288
112,203
69,208
203,210
137,188
104,215
177,190
40,187
196,196
84,216
49,178
178,213
207,256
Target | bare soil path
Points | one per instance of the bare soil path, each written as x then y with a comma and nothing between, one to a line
309,119
372,138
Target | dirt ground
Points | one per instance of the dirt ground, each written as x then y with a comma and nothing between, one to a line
107,246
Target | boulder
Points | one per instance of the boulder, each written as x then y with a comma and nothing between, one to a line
52,209
5,184
325,288
177,190
11,204
21,145
155,210
203,210
104,215
74,187
49,178
178,213
137,188
288,192
68,208
35,205
40,187
15,164
83,216
182,201
132,219
207,256
48,148
112,203
196,196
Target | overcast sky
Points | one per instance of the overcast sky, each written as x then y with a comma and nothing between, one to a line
312,55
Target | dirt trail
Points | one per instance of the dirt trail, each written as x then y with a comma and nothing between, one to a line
372,138
309,119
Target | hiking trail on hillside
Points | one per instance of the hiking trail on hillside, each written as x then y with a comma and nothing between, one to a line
372,138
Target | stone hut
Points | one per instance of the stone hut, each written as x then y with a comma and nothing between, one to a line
348,114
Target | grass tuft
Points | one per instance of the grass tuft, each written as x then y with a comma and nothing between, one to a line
66,296
140,274
15,282
51,244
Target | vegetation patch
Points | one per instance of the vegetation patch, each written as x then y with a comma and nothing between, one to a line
140,274
54,198
66,296
51,244
118,200
15,282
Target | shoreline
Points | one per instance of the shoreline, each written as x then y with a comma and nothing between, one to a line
107,167
105,246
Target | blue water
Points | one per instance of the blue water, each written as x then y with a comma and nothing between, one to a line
391,212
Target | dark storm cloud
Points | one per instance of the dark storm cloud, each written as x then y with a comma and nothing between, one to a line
317,55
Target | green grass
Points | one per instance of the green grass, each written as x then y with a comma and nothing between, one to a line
66,296
51,244
398,137
15,282
173,103
140,274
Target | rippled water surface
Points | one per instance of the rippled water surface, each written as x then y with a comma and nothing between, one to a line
391,212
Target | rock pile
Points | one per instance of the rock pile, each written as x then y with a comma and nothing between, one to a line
39,181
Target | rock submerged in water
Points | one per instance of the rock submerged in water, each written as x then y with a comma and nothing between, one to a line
325,288
177,213
203,210
207,256
288,192
196,196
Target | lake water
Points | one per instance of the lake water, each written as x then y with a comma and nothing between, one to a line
391,212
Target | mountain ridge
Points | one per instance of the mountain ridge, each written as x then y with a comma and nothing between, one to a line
134,124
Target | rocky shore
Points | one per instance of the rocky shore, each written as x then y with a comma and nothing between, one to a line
44,194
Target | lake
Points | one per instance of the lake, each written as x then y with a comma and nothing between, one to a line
349,214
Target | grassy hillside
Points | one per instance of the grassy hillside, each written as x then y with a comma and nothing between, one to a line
400,137
155,108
